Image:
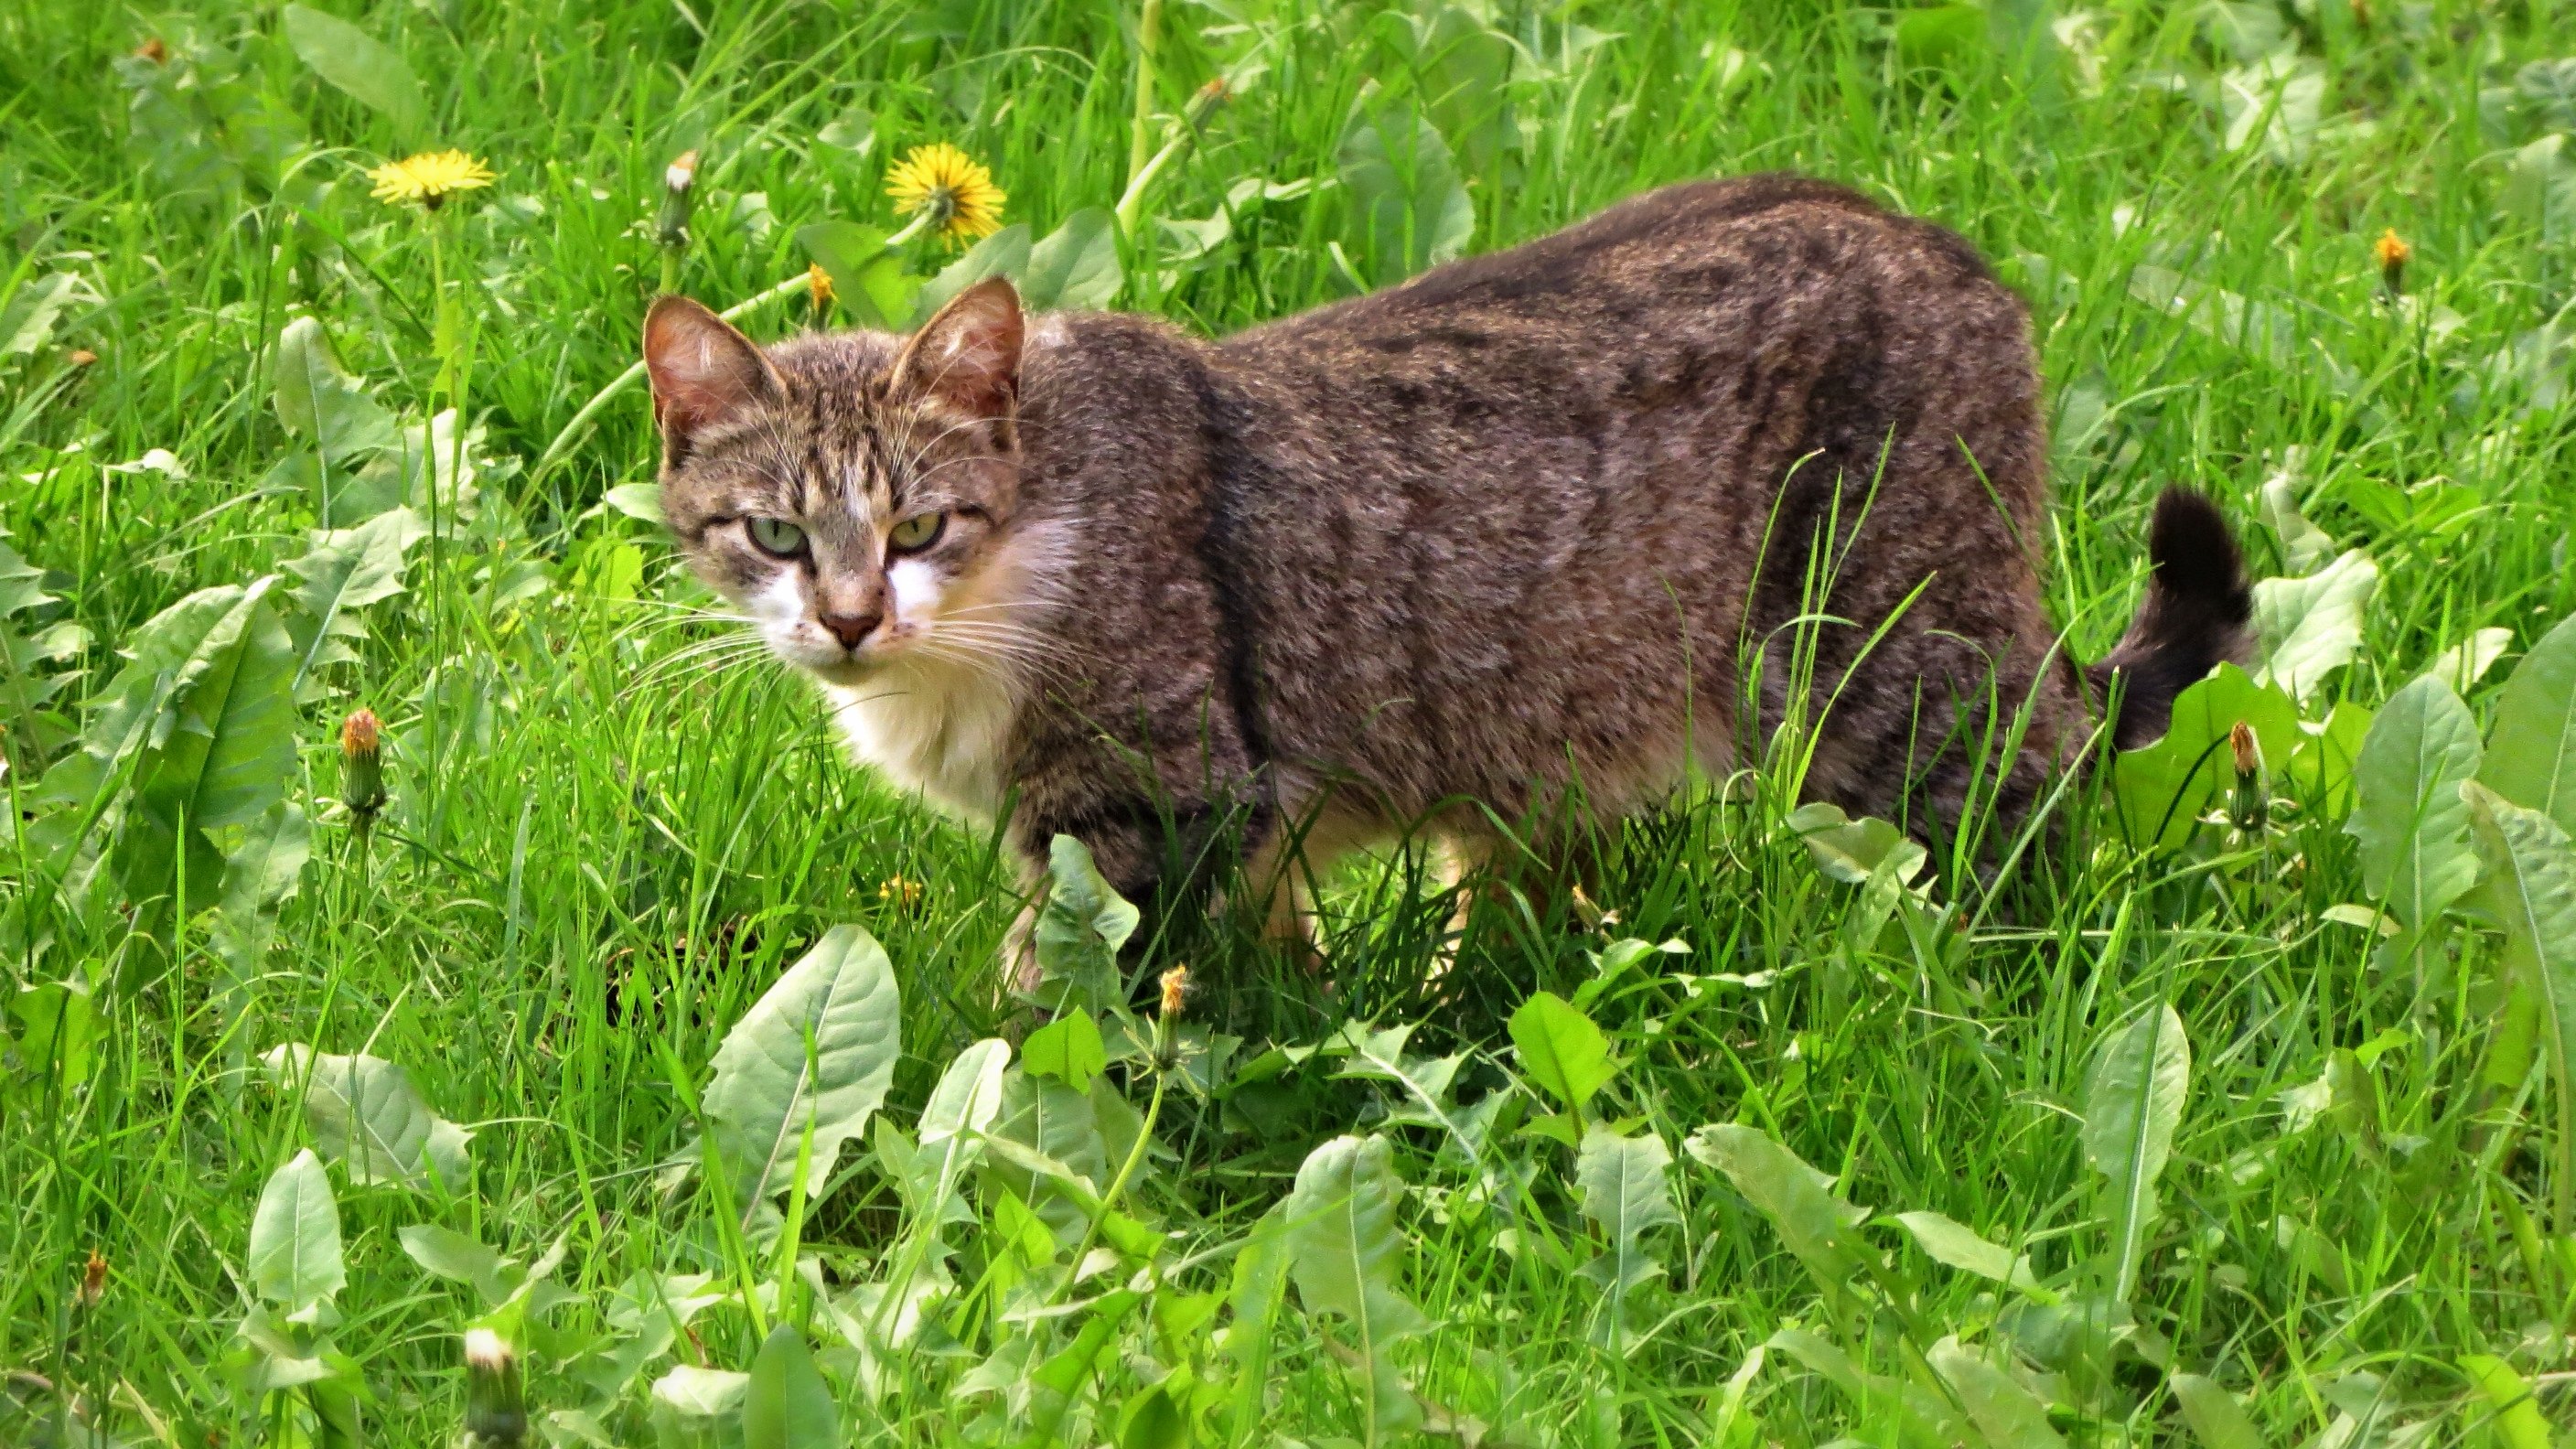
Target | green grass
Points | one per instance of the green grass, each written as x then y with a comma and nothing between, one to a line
597,857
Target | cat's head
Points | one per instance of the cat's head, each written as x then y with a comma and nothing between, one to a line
852,495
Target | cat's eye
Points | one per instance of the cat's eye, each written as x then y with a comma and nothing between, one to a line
917,532
776,535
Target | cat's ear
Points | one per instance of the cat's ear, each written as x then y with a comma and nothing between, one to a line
703,371
968,354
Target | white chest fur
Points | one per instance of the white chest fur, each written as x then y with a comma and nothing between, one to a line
937,728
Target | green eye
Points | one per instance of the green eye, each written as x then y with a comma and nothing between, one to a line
776,535
918,532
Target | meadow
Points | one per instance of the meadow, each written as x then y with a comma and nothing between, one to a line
572,1048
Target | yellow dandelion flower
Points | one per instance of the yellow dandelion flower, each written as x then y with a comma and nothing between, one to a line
951,188
428,178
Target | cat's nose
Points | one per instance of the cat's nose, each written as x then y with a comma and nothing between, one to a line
852,629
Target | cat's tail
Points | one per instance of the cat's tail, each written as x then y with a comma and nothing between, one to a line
2193,618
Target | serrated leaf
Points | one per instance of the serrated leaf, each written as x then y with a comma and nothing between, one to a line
2531,874
969,1094
346,571
1627,1191
868,280
1408,207
2517,1423
1067,1049
1345,1256
1851,850
2411,823
2164,789
367,1116
1003,254
2467,662
28,319
1080,930
1954,1243
1814,1225
2303,545
318,400
1076,265
814,1054
2007,1415
294,1258
1923,1415
2133,1101
786,1404
359,64
454,1256
2216,1419
1561,1050
2311,626
2531,752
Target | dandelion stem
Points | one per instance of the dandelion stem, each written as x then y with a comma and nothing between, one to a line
1140,139
1131,205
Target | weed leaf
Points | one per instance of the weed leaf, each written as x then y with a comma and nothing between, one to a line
2216,1419
358,63
2517,1423
1408,208
1003,254
1076,265
2133,1101
318,400
2531,869
1946,1241
367,1116
868,279
2531,752
815,1053
2006,1414
1561,1050
1345,1255
1080,930
1814,1224
295,1238
452,1255
1626,1191
347,570
2311,626
786,1404
2410,820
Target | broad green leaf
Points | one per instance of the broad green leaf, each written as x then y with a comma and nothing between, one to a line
1152,1421
868,280
1561,1050
2311,626
1080,930
969,1094
57,1028
1923,1415
2531,873
2164,789
1408,208
2531,752
814,1055
1851,850
367,1116
1626,1191
700,1406
28,319
262,872
452,1255
2517,1423
1947,1241
2007,1415
1047,1147
295,1237
639,501
1732,1426
786,1404
2321,769
2304,546
319,401
2133,1101
1067,1049
346,571
2216,1419
222,753
2540,187
1260,1281
1346,1256
1813,1224
1076,265
2467,662
2409,818
1003,254
358,63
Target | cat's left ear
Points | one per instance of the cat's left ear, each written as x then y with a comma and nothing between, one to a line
704,372
968,354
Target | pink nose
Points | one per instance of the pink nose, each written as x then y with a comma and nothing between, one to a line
852,629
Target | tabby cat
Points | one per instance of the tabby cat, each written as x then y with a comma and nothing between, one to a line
1547,526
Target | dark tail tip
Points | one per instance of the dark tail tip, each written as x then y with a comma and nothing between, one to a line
2192,620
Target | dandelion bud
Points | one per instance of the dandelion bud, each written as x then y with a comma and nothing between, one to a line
1176,985
818,288
2393,254
496,1413
152,50
2247,808
678,180
80,357
362,774
93,1284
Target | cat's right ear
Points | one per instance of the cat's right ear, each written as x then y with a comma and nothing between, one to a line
703,371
